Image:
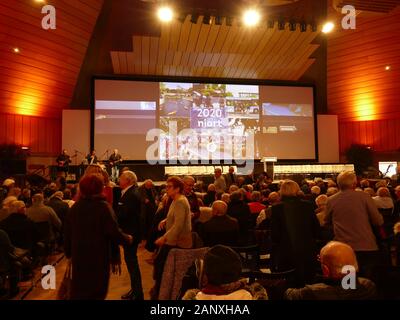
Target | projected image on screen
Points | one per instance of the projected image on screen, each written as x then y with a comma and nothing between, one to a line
281,119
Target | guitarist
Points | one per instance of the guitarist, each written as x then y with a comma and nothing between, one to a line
63,161
114,160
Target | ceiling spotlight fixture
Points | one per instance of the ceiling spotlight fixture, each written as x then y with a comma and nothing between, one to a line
165,14
207,19
251,18
16,50
194,18
328,27
281,25
292,26
387,68
303,27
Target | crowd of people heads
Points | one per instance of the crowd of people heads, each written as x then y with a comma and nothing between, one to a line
236,207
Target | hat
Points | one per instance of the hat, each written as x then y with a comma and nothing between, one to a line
8,182
222,265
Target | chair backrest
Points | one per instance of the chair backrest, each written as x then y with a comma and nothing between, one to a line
44,230
250,256
177,264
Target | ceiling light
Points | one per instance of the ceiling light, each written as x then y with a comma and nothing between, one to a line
16,50
387,68
165,14
251,18
328,27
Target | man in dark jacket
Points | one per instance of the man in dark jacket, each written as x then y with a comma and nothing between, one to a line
21,230
240,210
58,205
129,213
220,229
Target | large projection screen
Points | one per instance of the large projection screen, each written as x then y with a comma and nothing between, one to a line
203,121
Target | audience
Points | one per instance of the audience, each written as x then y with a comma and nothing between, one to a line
58,205
383,199
334,256
321,202
210,196
5,207
255,205
264,218
220,229
240,210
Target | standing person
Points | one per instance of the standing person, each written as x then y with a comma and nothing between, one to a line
114,160
294,230
178,229
148,195
91,241
63,161
230,177
129,219
353,215
188,191
219,180
92,158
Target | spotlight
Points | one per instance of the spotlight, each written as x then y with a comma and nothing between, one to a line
281,25
387,68
16,50
218,20
292,26
303,27
25,148
165,14
251,18
229,21
194,18
328,27
271,24
206,19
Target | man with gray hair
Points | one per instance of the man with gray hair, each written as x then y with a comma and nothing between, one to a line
129,219
221,228
353,216
337,259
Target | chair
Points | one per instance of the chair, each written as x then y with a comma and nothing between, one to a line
250,256
177,264
275,283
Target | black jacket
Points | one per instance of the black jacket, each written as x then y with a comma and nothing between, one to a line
220,230
21,230
60,207
129,213
241,212
295,229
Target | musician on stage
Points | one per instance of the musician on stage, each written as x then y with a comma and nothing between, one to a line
114,160
63,161
92,158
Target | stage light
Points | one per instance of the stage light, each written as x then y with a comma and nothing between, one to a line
387,68
328,27
165,14
251,18
25,148
292,26
206,19
194,18
16,50
303,27
281,25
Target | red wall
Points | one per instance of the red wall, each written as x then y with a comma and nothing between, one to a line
364,95
41,135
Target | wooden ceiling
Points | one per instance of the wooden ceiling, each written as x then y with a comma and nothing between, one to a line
220,51
381,6
40,80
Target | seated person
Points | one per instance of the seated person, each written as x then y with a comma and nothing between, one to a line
5,207
264,218
255,205
21,230
334,256
219,278
383,200
220,229
210,196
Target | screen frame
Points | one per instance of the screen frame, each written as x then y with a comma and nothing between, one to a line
151,78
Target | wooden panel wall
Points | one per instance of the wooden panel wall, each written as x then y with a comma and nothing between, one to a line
41,135
364,95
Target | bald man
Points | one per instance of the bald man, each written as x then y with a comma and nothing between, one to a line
221,228
334,256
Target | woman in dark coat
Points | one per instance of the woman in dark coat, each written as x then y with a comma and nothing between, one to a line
91,241
295,230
